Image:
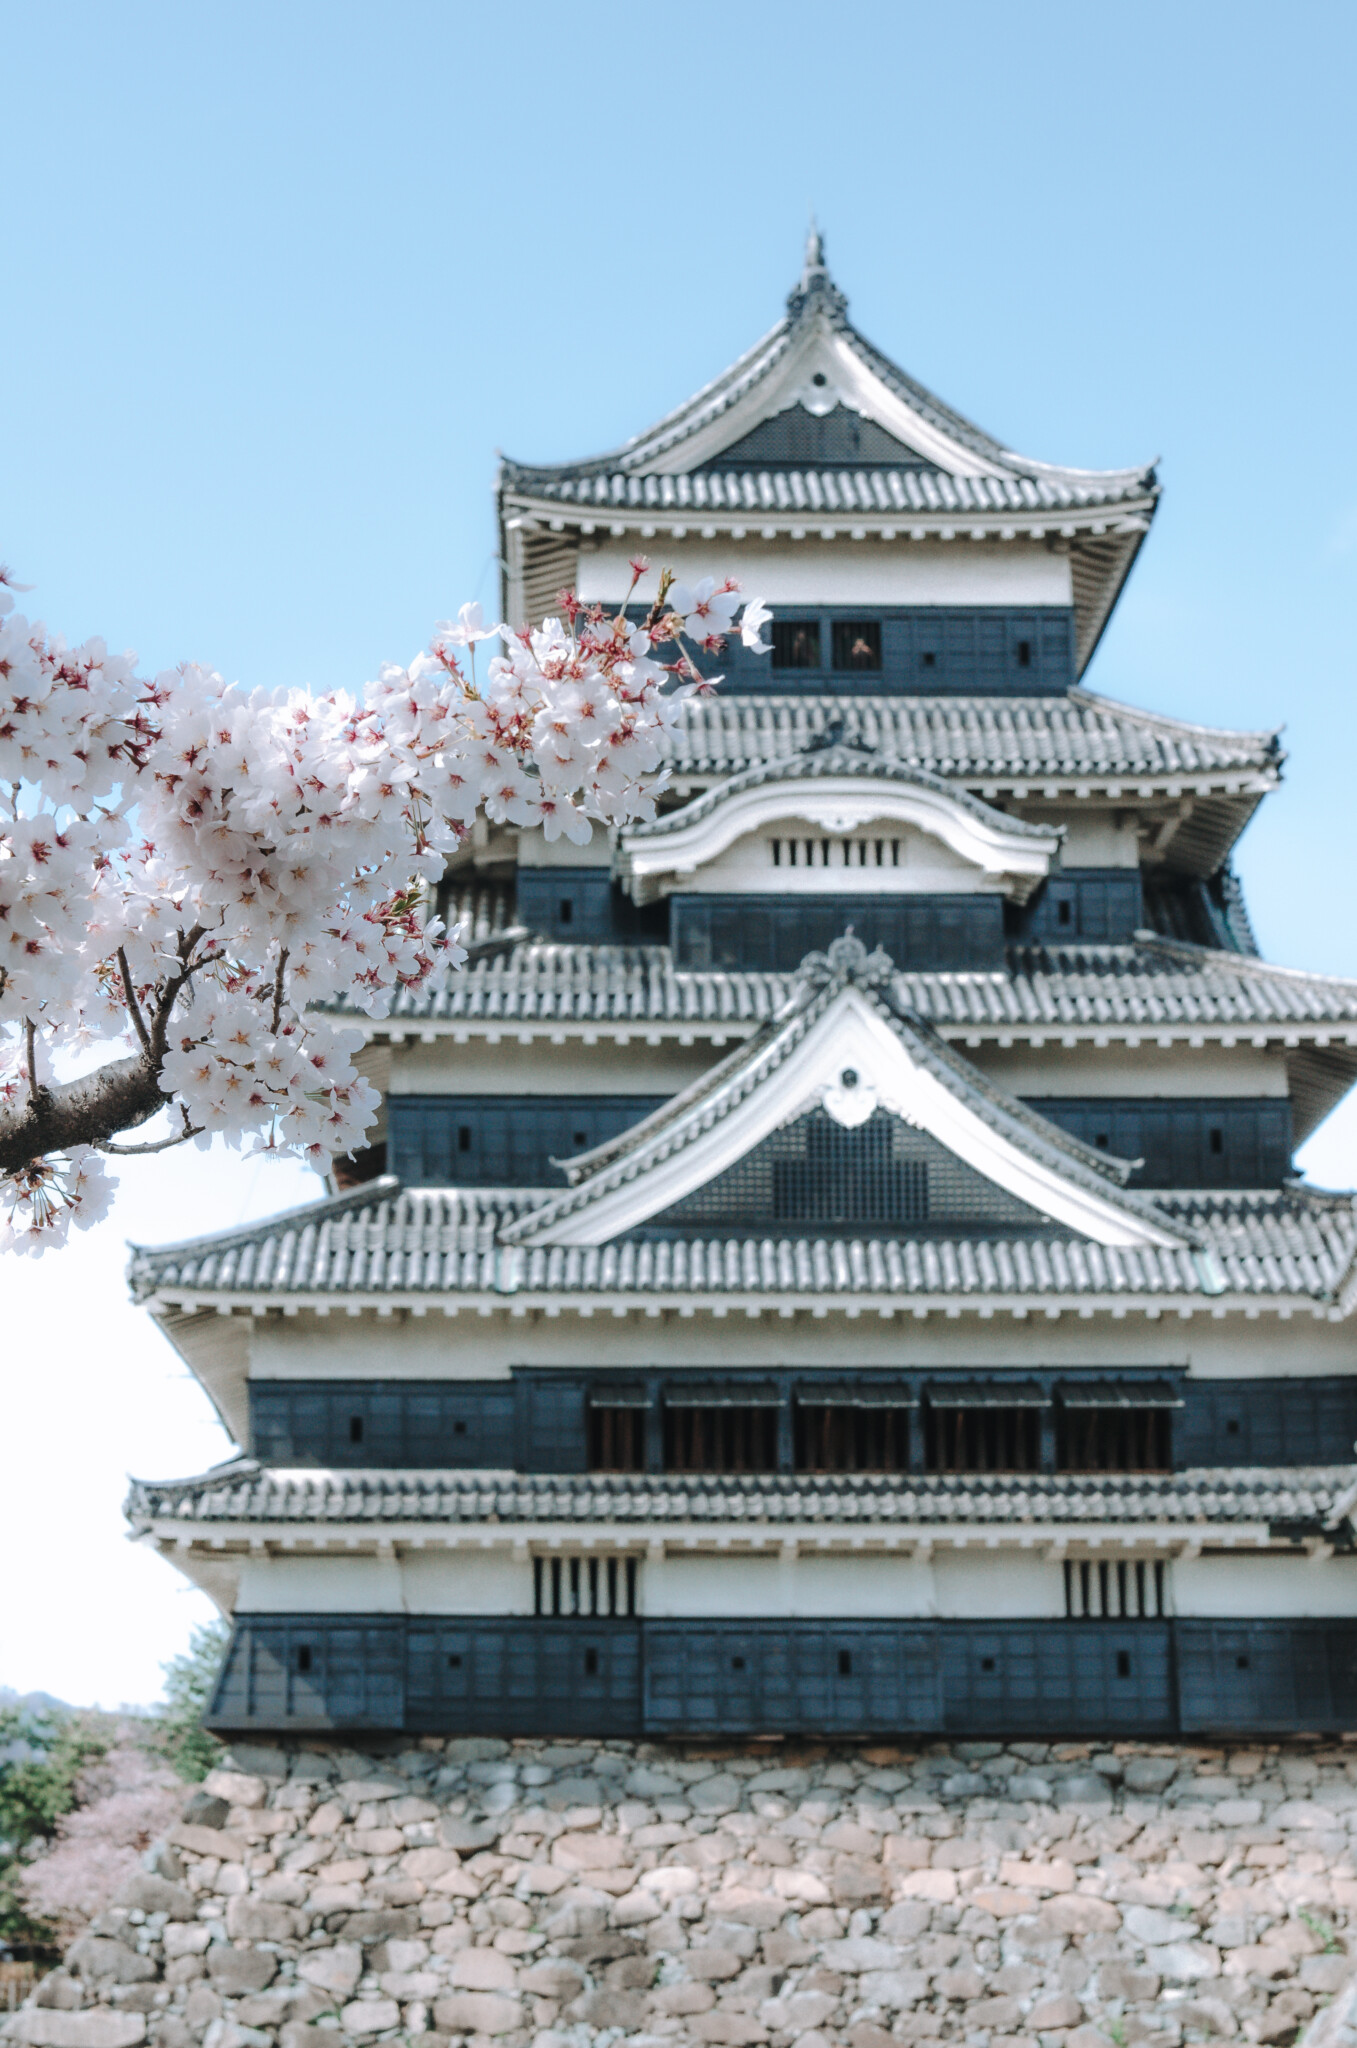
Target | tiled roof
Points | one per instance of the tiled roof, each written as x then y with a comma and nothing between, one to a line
245,1492
874,491
835,760
816,299
1152,985
973,739
382,1242
687,1119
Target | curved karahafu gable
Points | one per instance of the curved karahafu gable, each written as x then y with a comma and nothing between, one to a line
840,1046
837,791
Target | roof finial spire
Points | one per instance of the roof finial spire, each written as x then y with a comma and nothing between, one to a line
815,287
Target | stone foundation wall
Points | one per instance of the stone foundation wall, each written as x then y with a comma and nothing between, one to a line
576,1895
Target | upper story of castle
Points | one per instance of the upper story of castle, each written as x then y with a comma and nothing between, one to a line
904,549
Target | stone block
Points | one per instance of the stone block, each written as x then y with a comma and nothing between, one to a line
715,1795
1149,1773
1121,1980
938,1885
904,1922
1050,2014
1266,1960
250,1919
730,2028
335,1970
895,1989
150,1894
866,2034
996,2013
236,1970
1002,1901
605,2007
466,1836
205,1809
957,1854
1087,2037
861,1952
1077,1913
102,1961
1083,1788
1185,1962
963,1984
855,1879
709,1965
477,2012
365,2016
223,1843
1325,1974
481,1969
202,2006
98,2028
237,1788
401,1921
1148,1925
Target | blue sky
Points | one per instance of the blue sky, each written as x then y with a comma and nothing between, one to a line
282,279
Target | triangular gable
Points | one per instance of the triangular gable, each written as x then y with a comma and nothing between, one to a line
840,1048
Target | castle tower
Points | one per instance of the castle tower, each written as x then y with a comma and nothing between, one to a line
832,1262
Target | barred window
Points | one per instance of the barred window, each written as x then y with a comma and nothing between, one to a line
796,643
617,1433
844,1437
1114,1439
724,1438
1127,1589
589,1587
982,1438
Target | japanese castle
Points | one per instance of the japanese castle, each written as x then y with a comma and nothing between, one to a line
832,1264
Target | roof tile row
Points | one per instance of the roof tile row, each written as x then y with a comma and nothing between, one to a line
248,1493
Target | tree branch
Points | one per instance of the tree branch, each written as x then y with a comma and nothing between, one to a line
90,1111
133,1007
31,1054
157,1145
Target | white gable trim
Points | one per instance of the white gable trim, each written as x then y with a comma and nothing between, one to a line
821,347
840,804
854,1035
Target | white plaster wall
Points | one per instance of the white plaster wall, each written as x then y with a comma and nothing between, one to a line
472,1346
444,1068
1093,838
845,571
1260,1587
430,1582
320,1585
715,1587
466,1582
925,864
990,1586
870,1587
1176,1070
535,850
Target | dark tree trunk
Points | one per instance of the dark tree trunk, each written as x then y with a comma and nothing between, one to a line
89,1111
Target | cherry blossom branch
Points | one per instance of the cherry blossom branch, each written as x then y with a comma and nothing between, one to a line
218,877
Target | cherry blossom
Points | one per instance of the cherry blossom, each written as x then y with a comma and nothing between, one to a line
205,881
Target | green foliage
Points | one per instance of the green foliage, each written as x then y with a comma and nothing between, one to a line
42,1754
177,1732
